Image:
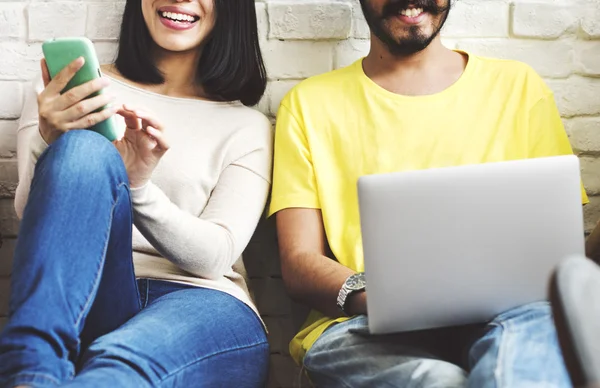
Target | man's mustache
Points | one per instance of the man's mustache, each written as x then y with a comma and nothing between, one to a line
393,8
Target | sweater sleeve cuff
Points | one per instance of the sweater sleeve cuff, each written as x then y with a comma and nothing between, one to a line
140,195
38,144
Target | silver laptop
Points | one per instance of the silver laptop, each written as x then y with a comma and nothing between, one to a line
459,245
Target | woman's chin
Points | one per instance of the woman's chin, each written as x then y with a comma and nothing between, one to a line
177,45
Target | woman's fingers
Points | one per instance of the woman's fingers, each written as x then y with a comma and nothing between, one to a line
131,120
45,72
86,107
159,137
58,83
145,116
79,93
92,119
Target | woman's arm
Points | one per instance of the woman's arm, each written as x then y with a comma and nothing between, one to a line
47,114
30,144
207,246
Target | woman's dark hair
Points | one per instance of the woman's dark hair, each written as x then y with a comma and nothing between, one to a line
231,67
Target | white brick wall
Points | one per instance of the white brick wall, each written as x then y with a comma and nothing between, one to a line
559,38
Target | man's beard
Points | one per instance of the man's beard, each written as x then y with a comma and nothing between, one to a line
415,41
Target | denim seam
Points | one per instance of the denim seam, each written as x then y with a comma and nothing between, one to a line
90,300
499,369
128,191
146,293
43,376
172,374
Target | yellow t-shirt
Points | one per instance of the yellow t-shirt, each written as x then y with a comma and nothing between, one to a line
336,127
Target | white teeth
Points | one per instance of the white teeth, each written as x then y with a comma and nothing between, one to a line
412,12
178,16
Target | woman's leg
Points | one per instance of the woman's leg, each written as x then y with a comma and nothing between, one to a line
75,238
185,337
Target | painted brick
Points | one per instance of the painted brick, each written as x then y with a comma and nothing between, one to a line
56,19
545,20
281,332
590,174
296,60
11,99
6,257
301,38
9,223
309,20
548,58
591,213
584,133
4,294
261,257
104,20
8,178
587,58
478,19
577,96
285,373
349,51
8,138
106,51
262,19
12,20
278,90
271,297
360,28
19,61
590,22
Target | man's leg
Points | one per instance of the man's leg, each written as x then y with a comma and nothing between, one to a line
75,239
519,350
341,358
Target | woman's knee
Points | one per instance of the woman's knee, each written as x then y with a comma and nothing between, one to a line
149,365
82,155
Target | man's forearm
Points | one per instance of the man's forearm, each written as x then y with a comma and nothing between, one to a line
316,281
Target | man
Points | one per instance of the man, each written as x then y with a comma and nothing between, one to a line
410,104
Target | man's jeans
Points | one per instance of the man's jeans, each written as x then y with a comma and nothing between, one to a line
518,349
76,317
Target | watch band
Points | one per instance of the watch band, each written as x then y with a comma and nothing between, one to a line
346,291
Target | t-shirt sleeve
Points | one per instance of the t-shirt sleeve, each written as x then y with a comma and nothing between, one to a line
294,182
547,133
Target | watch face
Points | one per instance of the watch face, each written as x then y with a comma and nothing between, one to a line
356,282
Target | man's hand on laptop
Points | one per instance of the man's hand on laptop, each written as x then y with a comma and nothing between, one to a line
357,303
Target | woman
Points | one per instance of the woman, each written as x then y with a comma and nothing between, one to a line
191,172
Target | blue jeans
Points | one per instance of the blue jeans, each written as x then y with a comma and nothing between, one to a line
518,349
76,316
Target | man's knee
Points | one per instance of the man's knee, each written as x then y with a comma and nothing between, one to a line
430,373
417,372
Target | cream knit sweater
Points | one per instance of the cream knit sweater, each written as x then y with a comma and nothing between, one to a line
196,216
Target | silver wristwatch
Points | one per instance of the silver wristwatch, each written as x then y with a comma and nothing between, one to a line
354,283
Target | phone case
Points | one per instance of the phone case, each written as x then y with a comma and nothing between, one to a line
59,52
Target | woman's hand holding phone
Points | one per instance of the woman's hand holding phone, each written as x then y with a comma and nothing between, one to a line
60,113
143,145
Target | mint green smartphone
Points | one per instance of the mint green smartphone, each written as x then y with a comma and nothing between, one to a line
59,52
